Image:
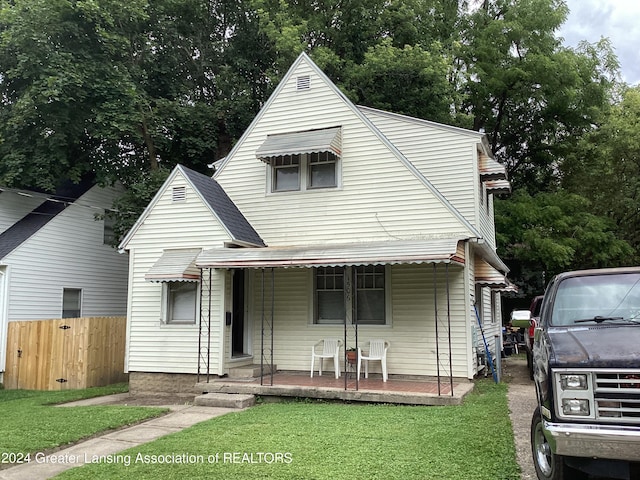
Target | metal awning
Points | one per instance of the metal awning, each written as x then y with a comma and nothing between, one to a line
309,141
366,253
175,266
490,169
488,276
498,186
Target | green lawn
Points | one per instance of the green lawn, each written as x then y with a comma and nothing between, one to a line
31,423
306,440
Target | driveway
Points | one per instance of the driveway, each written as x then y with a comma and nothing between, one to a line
522,403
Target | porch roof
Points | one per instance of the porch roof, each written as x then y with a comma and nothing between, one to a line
442,250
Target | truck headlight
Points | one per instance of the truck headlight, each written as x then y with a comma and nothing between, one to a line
573,381
575,406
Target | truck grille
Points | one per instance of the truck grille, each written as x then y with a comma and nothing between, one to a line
617,396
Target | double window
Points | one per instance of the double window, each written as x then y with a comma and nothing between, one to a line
305,171
333,297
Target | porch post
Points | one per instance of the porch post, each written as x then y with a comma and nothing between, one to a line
267,324
449,330
435,308
204,328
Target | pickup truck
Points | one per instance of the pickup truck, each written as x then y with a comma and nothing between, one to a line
586,368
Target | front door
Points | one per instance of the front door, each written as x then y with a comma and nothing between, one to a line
239,328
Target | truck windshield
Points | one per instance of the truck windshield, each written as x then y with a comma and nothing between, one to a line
597,299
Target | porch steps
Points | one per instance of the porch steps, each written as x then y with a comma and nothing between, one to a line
227,400
249,371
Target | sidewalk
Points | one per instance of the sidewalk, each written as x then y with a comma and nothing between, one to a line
179,418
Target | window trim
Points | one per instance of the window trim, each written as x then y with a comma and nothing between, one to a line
165,307
80,302
304,173
349,300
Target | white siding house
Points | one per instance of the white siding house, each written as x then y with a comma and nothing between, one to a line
325,220
54,262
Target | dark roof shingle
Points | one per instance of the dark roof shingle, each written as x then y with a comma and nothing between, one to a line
224,208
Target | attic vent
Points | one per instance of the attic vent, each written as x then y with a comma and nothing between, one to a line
179,194
303,83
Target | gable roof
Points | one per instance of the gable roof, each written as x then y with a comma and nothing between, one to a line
303,57
31,223
214,198
220,203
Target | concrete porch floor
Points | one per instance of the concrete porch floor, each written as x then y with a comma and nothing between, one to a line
327,387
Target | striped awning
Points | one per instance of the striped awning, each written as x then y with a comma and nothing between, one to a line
309,141
369,253
488,276
498,186
490,169
175,266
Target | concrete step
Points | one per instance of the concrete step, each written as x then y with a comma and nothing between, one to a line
249,371
227,400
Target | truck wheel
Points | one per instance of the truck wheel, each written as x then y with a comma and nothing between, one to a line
548,465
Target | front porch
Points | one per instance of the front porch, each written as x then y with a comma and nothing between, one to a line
398,389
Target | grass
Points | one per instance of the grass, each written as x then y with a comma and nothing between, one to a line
473,441
32,423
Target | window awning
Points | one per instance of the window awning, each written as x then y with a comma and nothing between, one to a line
488,276
310,141
498,186
175,266
371,253
490,169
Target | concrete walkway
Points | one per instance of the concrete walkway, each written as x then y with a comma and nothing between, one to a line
179,417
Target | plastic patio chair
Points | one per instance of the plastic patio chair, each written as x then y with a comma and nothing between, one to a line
330,349
377,352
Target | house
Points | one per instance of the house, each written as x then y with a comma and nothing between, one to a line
56,259
326,219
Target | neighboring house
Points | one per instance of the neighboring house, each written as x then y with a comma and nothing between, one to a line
324,212
55,257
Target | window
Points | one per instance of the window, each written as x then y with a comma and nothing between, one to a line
108,234
370,295
180,302
286,173
322,170
329,298
71,302
331,303
304,171
479,304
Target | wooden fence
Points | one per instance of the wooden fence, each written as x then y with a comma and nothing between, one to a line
65,353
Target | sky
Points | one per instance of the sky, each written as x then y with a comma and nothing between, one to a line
618,20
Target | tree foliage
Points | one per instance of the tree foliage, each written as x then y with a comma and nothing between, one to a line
129,88
544,234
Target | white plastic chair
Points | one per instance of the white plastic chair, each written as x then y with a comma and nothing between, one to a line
377,352
330,349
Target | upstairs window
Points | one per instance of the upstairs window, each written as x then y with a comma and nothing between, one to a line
304,160
322,170
286,173
305,171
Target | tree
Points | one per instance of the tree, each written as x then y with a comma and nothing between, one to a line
532,96
118,87
605,167
544,234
